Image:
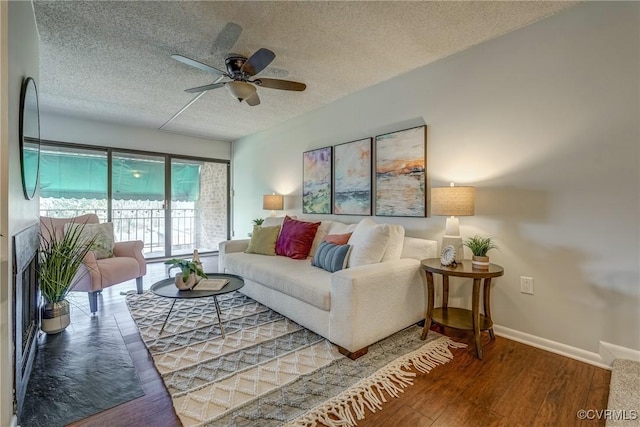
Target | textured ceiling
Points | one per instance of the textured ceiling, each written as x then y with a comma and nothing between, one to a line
111,61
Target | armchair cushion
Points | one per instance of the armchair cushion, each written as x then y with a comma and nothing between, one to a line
101,233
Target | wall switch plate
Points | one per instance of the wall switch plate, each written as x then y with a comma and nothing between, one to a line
526,285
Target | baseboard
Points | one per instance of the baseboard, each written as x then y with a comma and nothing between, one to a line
553,346
609,352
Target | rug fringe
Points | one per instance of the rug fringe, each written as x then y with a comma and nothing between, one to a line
349,406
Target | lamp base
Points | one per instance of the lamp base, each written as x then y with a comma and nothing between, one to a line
456,242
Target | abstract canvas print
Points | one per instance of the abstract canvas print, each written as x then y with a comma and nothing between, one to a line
316,181
352,178
401,173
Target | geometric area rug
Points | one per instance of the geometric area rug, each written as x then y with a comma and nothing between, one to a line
270,371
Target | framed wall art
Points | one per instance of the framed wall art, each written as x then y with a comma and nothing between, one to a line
352,178
316,181
401,159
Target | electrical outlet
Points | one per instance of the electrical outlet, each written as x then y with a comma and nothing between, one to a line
526,285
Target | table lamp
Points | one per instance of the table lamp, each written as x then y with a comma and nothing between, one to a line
273,202
453,201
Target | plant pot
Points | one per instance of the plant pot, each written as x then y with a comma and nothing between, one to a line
480,262
55,317
192,280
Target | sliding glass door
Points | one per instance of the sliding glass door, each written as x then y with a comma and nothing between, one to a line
199,205
173,204
138,200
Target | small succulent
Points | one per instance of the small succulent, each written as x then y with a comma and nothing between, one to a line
258,221
480,245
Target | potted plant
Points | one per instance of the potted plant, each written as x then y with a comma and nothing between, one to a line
60,259
258,221
191,272
479,246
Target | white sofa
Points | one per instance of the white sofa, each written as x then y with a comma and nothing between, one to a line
353,307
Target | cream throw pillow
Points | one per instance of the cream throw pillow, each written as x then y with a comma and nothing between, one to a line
369,241
103,233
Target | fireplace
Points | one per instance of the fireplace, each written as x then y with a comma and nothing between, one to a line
26,314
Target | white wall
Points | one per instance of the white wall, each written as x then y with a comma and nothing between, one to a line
544,121
68,129
20,55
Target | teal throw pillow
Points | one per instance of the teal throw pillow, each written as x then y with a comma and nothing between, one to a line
331,257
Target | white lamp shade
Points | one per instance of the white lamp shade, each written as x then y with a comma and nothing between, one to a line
272,202
241,90
453,201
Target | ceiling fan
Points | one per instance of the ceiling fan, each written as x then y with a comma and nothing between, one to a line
240,71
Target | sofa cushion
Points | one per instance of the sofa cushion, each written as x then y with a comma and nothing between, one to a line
396,242
102,235
331,257
341,228
322,231
369,241
263,240
296,278
419,248
296,238
272,221
338,239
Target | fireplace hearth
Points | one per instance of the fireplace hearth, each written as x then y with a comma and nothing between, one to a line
26,313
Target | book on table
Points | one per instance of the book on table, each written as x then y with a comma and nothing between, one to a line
211,284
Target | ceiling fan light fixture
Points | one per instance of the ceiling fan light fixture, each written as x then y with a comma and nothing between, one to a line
241,90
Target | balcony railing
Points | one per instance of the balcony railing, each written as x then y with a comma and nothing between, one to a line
147,225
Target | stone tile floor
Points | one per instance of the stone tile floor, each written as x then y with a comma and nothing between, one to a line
87,368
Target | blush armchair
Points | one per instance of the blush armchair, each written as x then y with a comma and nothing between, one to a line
95,274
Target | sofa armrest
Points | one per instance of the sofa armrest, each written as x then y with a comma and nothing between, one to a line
376,301
132,249
228,247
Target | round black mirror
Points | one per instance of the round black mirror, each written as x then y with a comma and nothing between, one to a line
29,137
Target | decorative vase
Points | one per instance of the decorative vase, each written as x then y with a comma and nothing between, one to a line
55,317
196,258
480,262
190,283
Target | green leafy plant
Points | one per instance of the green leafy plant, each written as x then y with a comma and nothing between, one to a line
60,258
480,245
258,221
187,267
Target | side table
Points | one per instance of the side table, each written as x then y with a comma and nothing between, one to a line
460,318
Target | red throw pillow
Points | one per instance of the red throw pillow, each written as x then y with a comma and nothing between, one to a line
296,238
338,239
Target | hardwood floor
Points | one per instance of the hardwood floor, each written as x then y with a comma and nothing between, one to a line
515,384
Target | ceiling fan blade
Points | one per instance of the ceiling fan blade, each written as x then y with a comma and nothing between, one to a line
280,84
226,39
199,65
258,61
253,100
204,88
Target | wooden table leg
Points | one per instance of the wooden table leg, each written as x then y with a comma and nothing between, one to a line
475,309
487,304
445,291
429,295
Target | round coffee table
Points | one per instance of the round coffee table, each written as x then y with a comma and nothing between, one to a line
166,288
